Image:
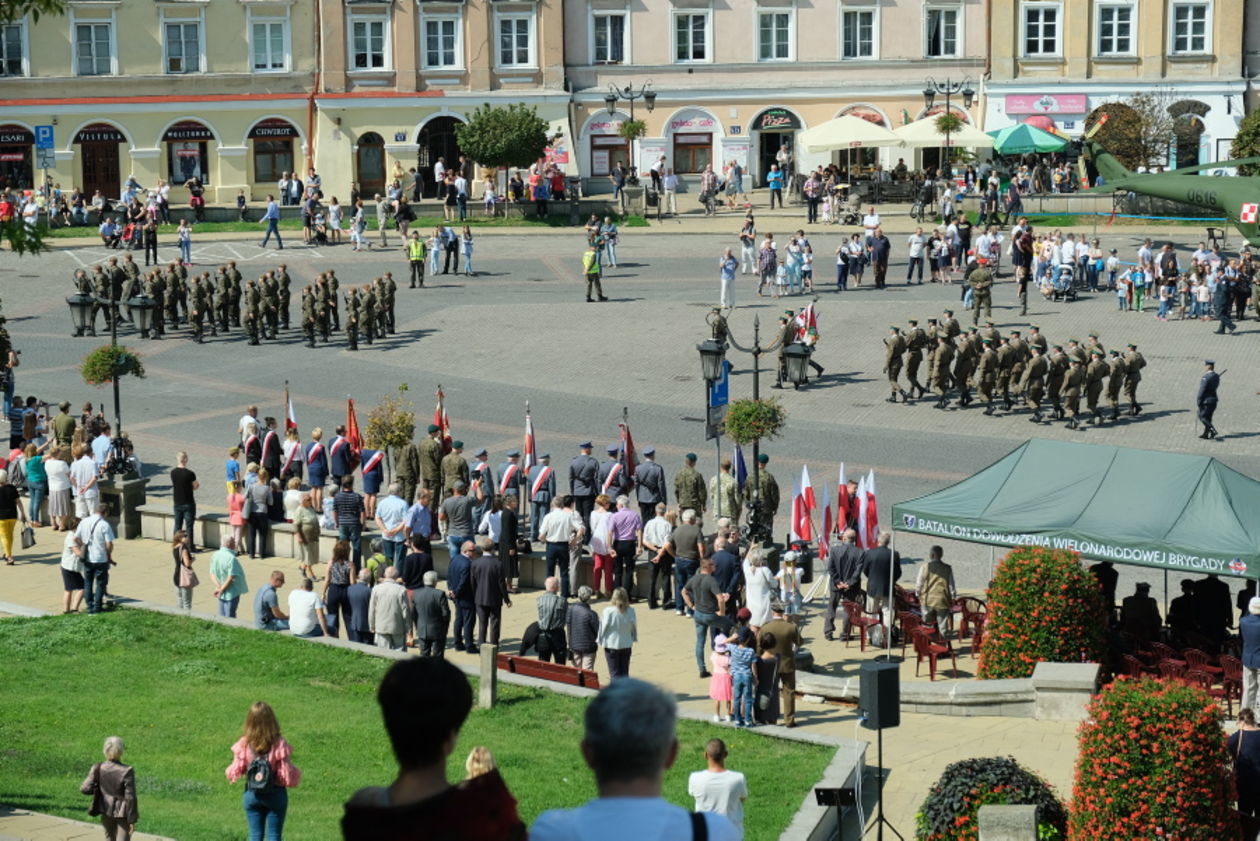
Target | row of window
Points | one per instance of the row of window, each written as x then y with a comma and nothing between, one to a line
1042,35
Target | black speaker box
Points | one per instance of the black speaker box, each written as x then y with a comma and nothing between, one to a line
880,696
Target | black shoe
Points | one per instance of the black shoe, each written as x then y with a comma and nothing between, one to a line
890,399
1072,423
942,403
777,385
829,637
602,298
1204,436
1036,417
590,300
905,398
705,673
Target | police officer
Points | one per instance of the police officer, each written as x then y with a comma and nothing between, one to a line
584,483
309,319
416,252
981,280
1116,375
894,347
1072,391
542,489
1206,399
986,373
1095,372
916,342
939,371
650,487
1134,362
1033,383
768,490
613,478
689,487
432,464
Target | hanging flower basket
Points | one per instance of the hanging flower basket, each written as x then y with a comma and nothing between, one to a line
102,365
755,420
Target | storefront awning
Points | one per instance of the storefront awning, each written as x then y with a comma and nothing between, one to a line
923,134
846,132
1165,510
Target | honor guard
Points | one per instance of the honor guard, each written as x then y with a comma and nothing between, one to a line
373,470
340,457
1134,362
316,457
1095,372
253,445
894,347
1206,398
916,342
1116,376
432,466
542,489
612,478
939,369
510,475
649,484
986,373
308,315
689,487
1056,372
1033,384
481,488
584,483
1072,384
272,448
285,283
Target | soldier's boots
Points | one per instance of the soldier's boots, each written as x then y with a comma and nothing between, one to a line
905,397
941,402
1135,409
1036,416
1095,417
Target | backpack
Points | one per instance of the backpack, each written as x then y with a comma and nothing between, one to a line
258,775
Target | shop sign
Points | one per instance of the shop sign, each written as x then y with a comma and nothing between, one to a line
275,130
865,112
603,127
15,135
692,124
99,133
777,119
187,131
12,156
1046,103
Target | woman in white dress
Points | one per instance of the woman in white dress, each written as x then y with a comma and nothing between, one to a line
759,585
334,221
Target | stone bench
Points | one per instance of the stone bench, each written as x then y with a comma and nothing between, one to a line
1014,697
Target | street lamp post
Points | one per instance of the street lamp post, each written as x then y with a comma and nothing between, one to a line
948,88
629,94
712,356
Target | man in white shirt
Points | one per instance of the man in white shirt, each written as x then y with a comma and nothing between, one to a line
439,170
83,476
629,743
656,534
100,449
249,418
671,192
461,196
559,531
870,222
306,612
96,536
717,789
914,250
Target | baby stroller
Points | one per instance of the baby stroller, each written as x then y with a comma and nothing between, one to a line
1065,283
851,212
131,236
321,229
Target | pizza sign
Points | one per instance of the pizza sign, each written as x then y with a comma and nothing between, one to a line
1248,213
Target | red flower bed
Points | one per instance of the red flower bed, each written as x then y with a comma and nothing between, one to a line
1043,606
1152,764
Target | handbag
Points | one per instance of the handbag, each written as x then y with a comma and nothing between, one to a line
763,698
28,537
187,576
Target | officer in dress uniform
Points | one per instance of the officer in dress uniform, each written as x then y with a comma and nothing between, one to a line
768,491
894,347
271,448
482,486
612,477
432,467
1116,375
542,489
454,469
584,483
916,342
1033,383
650,487
1134,362
1095,372
1206,398
689,487
510,476
340,459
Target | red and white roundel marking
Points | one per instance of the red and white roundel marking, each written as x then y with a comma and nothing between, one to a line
1249,212
1238,566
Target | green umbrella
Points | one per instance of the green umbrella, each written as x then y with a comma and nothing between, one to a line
1023,138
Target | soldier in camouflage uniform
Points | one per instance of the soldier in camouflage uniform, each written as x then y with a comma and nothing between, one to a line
768,491
285,282
234,287
368,312
334,313
916,342
391,294
252,317
197,315
269,291
223,299
689,487
323,305
154,288
352,318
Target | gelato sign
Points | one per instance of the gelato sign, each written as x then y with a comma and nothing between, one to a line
1144,555
1066,103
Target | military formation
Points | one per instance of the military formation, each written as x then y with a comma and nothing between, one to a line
1011,370
223,301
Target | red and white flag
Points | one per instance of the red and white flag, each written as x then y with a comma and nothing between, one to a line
860,510
1249,212
353,437
626,453
824,536
844,505
290,417
442,422
871,509
529,454
803,505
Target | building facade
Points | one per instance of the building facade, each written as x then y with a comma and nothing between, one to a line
736,81
236,92
1057,61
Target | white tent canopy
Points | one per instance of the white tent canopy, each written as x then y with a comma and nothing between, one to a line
846,132
923,134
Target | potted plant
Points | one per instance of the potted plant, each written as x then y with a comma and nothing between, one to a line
748,420
108,362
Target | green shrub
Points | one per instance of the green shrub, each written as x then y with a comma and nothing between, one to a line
951,810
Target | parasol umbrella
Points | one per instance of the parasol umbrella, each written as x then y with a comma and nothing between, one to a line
847,132
924,134
1023,138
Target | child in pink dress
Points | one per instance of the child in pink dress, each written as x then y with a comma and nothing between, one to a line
720,681
236,511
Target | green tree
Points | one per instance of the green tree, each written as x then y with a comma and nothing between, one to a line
1139,130
1247,143
391,424
13,10
512,136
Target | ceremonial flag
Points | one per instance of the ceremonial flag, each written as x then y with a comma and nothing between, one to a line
860,510
824,536
872,511
807,489
798,506
529,454
844,504
442,422
353,438
290,417
626,453
741,471
803,504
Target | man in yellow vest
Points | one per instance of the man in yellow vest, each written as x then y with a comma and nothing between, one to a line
590,267
416,254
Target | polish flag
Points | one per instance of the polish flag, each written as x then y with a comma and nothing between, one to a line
290,417
803,504
441,421
871,510
861,513
530,453
844,505
824,536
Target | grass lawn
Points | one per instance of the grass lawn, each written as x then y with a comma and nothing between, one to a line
424,224
176,690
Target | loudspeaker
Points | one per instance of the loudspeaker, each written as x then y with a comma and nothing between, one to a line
880,695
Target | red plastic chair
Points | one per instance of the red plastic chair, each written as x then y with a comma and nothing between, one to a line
863,620
904,599
1165,652
1172,670
910,622
970,607
1203,680
1133,667
926,647
1198,660
1232,679
978,621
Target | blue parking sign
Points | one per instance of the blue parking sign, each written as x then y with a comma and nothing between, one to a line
44,137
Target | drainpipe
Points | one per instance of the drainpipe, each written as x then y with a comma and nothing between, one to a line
310,99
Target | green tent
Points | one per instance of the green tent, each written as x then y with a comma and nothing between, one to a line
1165,510
1023,138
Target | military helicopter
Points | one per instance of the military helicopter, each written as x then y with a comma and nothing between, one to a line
1236,197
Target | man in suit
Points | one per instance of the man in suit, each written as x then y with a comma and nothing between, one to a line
490,591
542,489
459,590
359,594
584,483
1249,626
650,485
432,617
787,638
727,569
876,565
844,566
1216,614
509,535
